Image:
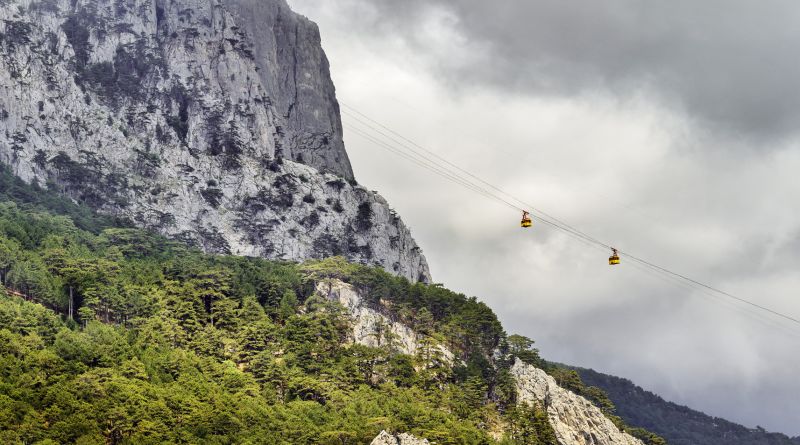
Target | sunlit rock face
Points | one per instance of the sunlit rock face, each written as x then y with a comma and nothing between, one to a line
210,121
373,328
385,438
370,327
576,421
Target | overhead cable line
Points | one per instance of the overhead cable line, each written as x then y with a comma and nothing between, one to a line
714,289
453,170
446,173
432,168
757,315
395,142
538,212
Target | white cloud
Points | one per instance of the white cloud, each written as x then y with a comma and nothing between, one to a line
626,168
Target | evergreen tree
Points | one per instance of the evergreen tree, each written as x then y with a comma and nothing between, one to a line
174,346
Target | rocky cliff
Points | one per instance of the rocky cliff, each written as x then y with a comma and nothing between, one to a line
679,425
373,328
575,420
211,121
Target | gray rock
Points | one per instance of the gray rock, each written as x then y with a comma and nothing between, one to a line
575,420
211,121
296,73
373,328
385,438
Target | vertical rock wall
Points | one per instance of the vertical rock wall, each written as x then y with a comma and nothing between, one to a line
211,121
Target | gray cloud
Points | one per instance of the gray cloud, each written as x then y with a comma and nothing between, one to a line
665,131
730,64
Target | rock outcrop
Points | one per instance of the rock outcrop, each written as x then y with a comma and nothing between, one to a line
385,438
373,328
575,420
211,121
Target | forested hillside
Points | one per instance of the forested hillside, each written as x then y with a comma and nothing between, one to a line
130,338
680,425
110,334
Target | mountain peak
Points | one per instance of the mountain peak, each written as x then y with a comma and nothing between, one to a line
212,122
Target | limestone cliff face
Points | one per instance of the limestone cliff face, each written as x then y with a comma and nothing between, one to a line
385,438
373,328
212,121
576,421
370,327
294,70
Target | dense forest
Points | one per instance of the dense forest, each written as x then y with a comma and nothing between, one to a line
678,424
110,334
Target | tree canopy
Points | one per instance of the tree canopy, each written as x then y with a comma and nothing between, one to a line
114,335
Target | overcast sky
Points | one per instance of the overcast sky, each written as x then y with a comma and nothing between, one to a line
668,129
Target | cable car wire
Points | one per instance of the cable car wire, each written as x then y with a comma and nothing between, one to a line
759,316
706,286
540,215
453,165
421,158
424,157
433,169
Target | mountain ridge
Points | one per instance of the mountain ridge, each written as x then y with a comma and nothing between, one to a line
212,122
216,124
679,424
320,352
383,314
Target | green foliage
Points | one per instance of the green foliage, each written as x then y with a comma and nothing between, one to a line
646,436
522,348
169,345
137,339
106,384
180,123
674,423
78,36
528,425
468,325
364,217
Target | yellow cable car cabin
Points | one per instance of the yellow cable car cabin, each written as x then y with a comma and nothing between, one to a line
526,220
614,258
